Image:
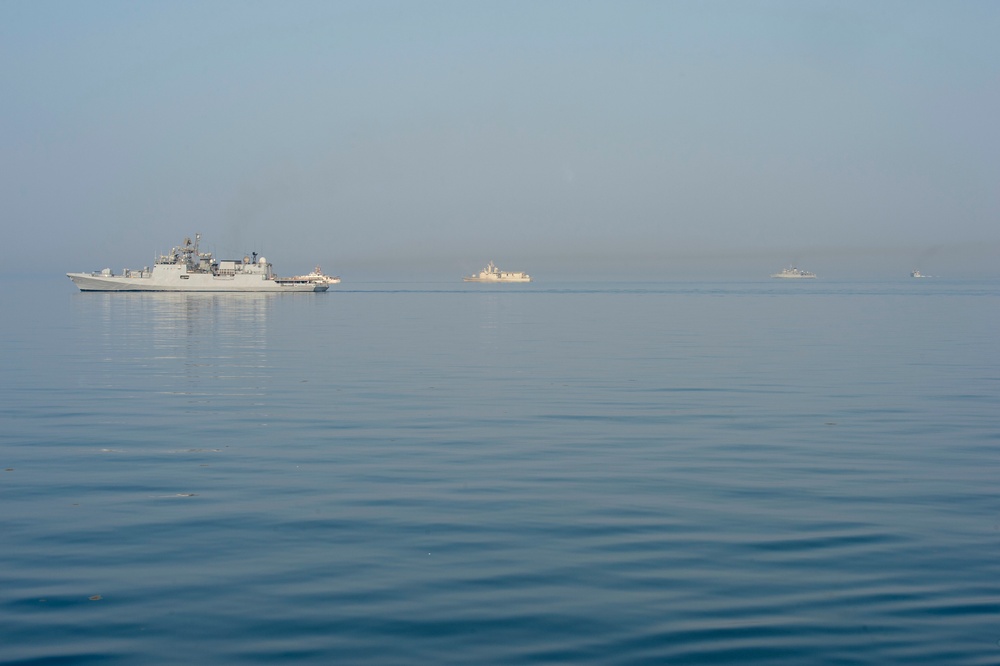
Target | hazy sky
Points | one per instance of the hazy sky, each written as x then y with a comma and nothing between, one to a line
375,138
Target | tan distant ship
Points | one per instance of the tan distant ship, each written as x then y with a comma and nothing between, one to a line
793,273
493,274
187,269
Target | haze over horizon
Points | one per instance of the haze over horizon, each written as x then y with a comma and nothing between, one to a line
640,139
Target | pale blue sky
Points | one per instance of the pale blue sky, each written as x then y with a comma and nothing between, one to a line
660,139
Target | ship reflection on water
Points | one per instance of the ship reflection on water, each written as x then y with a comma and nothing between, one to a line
189,344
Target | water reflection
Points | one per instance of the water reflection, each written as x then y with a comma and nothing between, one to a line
187,344
489,318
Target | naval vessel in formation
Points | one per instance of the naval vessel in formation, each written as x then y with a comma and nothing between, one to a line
185,268
493,274
793,273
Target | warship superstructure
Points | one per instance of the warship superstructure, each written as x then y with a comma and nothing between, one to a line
186,268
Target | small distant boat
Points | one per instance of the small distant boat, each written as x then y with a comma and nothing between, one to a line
794,273
317,277
918,274
493,274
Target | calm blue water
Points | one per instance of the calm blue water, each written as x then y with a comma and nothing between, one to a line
390,473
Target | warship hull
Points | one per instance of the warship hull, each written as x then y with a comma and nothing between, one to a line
199,283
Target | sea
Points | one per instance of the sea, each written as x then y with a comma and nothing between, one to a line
675,472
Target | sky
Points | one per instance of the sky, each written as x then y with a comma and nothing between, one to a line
394,140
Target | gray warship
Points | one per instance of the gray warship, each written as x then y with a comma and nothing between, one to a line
186,268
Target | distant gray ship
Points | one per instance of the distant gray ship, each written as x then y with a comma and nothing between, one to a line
793,273
187,269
